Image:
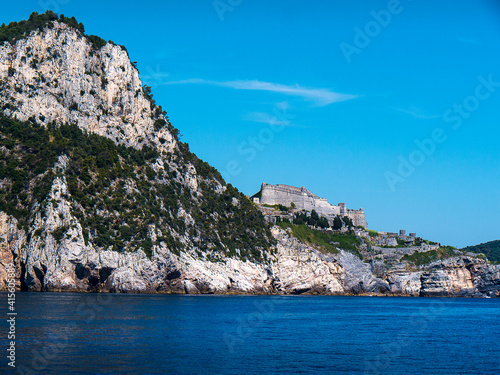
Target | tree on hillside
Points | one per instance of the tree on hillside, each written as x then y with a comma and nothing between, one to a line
337,223
300,218
347,220
323,222
313,219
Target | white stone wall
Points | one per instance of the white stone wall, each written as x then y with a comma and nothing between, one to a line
302,198
305,200
357,217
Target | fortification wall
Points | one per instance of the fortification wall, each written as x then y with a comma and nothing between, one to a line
302,198
322,207
305,200
357,217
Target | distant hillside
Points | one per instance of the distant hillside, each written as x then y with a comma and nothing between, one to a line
490,249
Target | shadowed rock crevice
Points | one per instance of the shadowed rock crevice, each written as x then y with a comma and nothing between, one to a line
22,267
40,275
82,272
104,273
174,275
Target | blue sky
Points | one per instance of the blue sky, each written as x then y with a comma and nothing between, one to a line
390,106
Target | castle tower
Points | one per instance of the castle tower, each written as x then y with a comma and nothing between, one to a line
343,209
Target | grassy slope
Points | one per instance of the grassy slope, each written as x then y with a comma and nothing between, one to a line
427,257
327,242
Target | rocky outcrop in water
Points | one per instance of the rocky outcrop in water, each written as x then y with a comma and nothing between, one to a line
461,276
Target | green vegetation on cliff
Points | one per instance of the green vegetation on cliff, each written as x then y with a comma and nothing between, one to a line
326,241
490,249
314,219
19,30
422,258
118,196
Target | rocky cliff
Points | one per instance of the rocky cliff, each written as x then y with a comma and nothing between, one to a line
93,175
294,268
99,194
57,74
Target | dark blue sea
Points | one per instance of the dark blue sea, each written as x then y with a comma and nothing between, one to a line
66,333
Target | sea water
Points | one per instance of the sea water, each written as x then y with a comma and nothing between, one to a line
73,333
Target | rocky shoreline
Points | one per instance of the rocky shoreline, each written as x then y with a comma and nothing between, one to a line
293,269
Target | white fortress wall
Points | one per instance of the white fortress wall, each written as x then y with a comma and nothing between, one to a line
357,217
305,200
301,197
322,207
276,194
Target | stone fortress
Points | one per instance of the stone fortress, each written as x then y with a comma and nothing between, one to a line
303,199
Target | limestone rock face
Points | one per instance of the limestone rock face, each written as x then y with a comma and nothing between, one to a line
55,75
294,268
358,277
298,268
486,278
405,283
448,278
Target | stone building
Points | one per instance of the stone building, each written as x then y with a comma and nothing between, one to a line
303,199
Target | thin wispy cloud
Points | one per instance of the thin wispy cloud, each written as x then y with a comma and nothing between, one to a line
417,113
264,118
318,96
268,118
469,40
278,116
